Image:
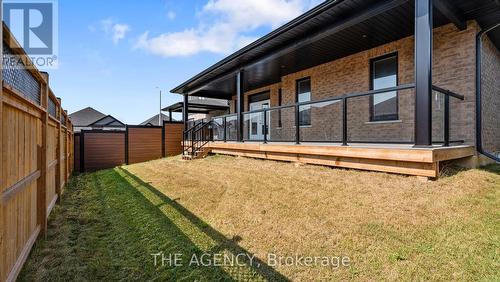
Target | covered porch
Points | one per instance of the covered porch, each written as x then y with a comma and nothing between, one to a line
431,119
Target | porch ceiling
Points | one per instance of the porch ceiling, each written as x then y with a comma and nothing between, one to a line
195,108
332,30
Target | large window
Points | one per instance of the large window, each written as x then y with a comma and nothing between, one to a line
304,95
384,74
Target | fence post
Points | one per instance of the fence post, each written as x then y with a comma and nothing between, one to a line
163,133
58,151
1,153
67,144
42,161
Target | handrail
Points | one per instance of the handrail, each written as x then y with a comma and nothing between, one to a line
225,116
344,99
339,98
197,137
448,92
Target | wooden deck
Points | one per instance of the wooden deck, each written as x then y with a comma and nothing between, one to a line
393,158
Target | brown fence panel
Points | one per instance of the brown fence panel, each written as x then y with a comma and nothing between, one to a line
22,125
102,149
173,138
144,143
76,151
30,158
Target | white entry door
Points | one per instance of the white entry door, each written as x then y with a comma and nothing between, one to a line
257,127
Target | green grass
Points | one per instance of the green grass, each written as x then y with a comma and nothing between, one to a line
107,228
392,227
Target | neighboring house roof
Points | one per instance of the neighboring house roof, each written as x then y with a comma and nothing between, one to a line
200,105
92,117
332,30
107,121
85,117
153,121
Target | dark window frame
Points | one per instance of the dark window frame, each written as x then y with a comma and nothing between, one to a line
374,118
251,98
297,82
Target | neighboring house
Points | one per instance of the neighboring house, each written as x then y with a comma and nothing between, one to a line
153,121
89,118
340,86
200,108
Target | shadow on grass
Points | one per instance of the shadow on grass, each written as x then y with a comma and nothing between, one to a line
222,244
493,168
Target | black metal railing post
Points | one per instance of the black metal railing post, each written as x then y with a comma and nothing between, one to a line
297,123
224,124
265,126
446,120
344,121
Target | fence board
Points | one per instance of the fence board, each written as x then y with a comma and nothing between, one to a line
28,144
173,138
144,144
103,149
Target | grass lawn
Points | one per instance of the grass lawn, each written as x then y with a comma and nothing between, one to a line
390,227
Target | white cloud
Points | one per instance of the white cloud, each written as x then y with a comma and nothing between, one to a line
118,31
224,26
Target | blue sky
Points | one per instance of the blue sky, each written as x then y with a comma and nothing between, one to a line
114,53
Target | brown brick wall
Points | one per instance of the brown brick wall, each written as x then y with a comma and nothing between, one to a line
490,96
453,69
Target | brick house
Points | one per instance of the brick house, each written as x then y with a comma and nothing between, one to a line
345,73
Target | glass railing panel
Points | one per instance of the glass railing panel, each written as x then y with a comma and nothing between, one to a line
232,128
254,127
321,122
218,128
458,122
392,120
438,117
281,124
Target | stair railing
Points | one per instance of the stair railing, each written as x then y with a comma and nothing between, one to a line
197,137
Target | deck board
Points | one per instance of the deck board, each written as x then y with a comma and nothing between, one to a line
393,158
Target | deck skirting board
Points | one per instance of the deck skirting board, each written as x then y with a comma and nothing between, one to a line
409,168
418,162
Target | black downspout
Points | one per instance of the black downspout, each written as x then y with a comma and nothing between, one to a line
479,116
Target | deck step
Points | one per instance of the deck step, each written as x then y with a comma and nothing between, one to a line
200,154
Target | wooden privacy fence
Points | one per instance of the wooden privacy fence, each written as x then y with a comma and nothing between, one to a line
36,156
101,149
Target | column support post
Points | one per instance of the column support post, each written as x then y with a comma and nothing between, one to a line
423,73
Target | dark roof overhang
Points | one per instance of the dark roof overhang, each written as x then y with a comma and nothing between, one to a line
332,30
195,108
